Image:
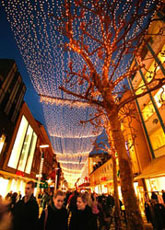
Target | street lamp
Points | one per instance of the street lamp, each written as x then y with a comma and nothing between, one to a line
43,146
41,167
55,182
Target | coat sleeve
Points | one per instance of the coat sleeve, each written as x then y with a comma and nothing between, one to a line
66,220
92,221
72,224
32,215
35,212
40,223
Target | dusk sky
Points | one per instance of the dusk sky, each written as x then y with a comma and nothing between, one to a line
9,49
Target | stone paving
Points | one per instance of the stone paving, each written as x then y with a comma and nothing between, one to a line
124,227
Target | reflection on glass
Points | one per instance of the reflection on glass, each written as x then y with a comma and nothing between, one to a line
157,138
148,111
25,149
2,142
31,153
13,161
160,96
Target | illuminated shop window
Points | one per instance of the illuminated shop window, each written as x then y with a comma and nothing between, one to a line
31,153
13,161
25,149
155,184
151,72
4,184
157,138
160,97
148,111
13,186
2,142
161,55
141,87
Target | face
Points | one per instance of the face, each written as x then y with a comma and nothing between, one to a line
28,190
80,204
58,201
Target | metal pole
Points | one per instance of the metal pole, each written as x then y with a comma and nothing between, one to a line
55,185
55,178
40,173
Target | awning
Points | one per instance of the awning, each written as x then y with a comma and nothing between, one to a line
155,169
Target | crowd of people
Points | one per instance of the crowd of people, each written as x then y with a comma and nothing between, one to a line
70,211
155,209
73,211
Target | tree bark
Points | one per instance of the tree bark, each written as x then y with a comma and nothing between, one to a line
115,186
133,214
116,196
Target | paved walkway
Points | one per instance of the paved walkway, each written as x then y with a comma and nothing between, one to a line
124,227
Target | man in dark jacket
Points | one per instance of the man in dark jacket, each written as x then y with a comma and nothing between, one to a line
25,212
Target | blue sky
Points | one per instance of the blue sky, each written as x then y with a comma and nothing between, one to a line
8,49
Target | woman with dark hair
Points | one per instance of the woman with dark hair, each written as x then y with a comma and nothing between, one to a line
55,216
82,218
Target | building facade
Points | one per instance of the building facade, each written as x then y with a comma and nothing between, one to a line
12,91
151,106
24,155
21,136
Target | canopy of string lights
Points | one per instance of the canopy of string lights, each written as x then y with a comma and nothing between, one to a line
38,29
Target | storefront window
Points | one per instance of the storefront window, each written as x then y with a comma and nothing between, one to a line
4,184
2,142
155,184
160,97
25,149
157,138
31,154
13,161
148,111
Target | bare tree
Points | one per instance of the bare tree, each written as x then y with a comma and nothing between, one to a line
106,36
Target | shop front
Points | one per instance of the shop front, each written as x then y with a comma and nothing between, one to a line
12,182
154,175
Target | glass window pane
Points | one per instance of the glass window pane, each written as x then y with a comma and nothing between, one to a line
25,149
14,157
157,138
2,142
30,157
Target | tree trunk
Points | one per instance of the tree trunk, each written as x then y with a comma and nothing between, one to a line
134,218
116,196
115,186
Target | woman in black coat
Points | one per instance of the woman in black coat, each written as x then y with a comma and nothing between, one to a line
55,216
82,218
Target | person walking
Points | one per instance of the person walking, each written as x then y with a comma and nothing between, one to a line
82,218
25,212
72,201
55,215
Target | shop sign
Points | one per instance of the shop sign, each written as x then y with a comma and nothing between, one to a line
19,173
103,178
